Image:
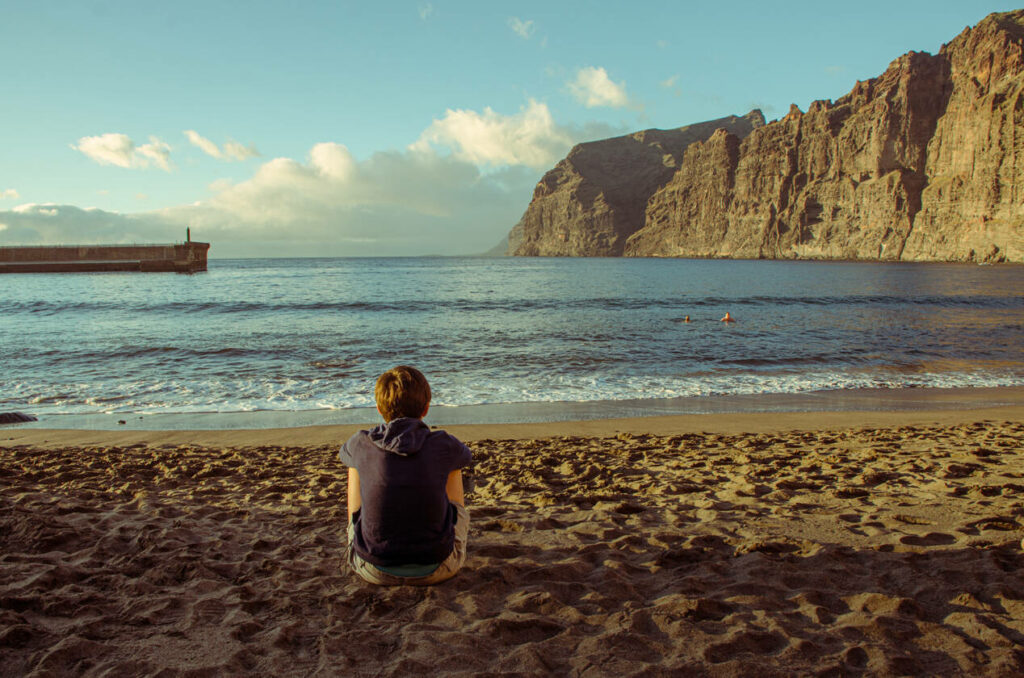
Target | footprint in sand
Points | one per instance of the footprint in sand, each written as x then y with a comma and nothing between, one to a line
753,642
930,539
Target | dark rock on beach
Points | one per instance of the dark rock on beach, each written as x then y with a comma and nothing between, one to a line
15,418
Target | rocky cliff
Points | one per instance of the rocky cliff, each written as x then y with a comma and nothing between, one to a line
595,198
923,163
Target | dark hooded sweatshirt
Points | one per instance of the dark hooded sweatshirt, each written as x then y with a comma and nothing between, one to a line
403,467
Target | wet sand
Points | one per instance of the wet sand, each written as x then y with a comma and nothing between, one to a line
781,544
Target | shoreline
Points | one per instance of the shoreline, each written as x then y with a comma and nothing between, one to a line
540,412
878,409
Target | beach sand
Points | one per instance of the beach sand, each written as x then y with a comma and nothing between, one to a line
743,545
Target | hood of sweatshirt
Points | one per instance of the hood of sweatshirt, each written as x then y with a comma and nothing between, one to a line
404,436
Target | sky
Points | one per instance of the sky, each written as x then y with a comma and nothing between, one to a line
384,128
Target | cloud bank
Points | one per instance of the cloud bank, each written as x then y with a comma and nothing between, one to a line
330,204
34,224
458,189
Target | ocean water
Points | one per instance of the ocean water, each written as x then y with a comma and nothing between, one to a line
313,334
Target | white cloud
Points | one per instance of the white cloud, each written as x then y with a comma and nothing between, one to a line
458,190
218,185
235,150
529,137
411,202
524,29
393,203
592,88
232,149
203,144
332,160
285,191
9,193
108,149
32,208
672,83
426,10
120,150
158,152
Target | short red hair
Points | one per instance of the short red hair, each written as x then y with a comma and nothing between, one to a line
402,391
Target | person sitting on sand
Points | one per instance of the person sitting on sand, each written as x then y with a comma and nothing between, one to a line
728,318
408,522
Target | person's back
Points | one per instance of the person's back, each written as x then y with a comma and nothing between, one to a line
407,518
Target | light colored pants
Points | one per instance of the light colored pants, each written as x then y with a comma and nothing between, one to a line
444,571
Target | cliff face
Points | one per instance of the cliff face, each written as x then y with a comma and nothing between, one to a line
975,170
925,162
595,198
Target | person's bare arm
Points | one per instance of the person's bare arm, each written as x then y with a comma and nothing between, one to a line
454,488
354,500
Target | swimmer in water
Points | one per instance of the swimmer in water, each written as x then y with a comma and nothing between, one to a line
728,318
686,319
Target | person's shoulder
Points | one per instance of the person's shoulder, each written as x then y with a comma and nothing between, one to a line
441,439
358,438
439,436
351,448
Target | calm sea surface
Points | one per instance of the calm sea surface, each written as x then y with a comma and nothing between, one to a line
312,334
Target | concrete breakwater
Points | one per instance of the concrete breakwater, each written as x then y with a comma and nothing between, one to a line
186,257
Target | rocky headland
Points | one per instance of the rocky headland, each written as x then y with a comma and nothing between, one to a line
923,163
